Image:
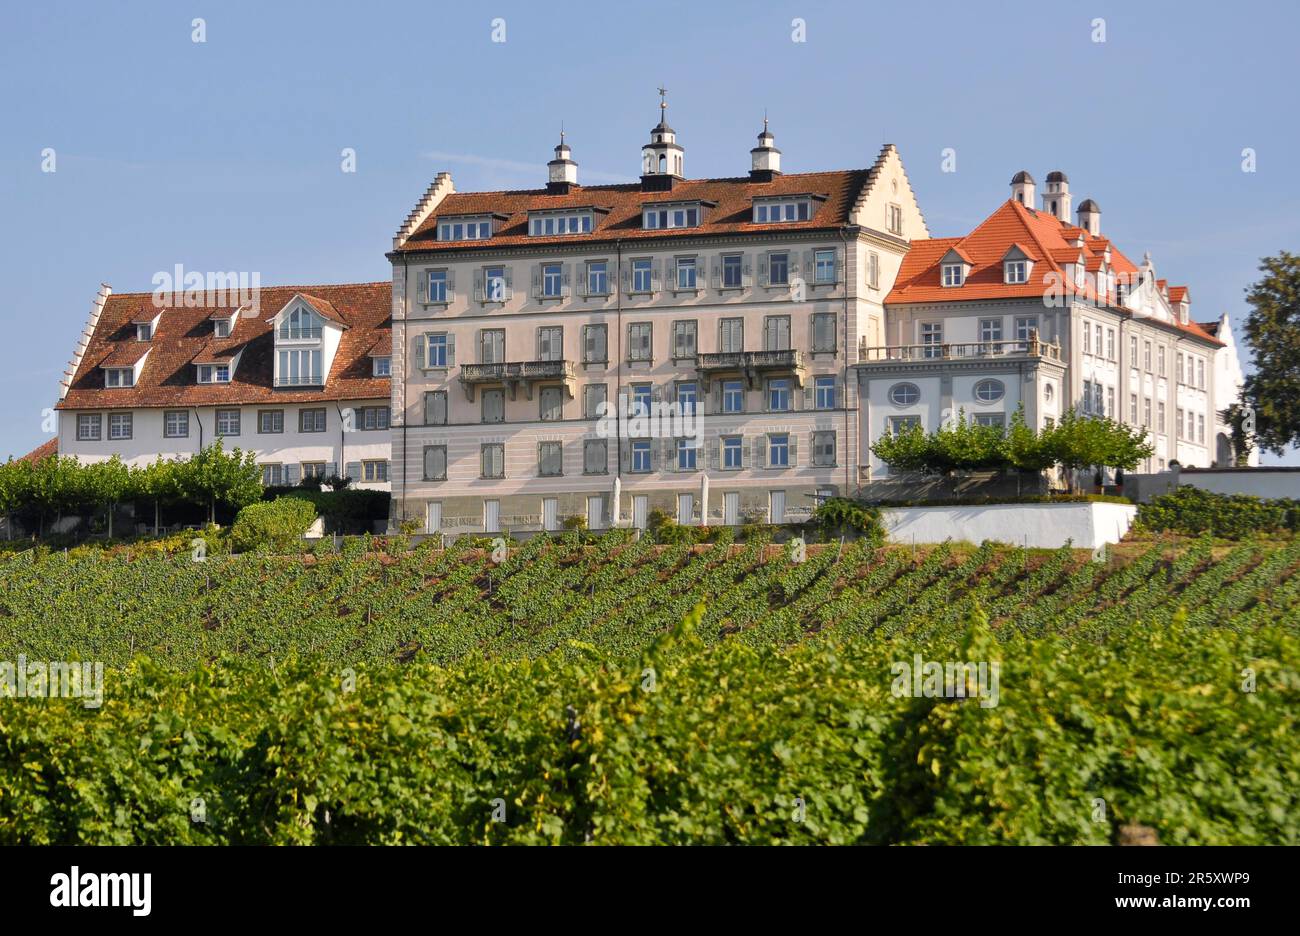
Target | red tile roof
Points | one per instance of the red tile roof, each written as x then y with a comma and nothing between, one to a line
1040,236
44,450
126,353
184,337
620,214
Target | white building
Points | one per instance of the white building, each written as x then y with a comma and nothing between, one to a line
299,376
1031,310
522,316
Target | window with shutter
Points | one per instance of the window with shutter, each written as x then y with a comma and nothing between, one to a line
551,403
435,407
435,463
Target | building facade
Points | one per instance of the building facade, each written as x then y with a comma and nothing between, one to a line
1033,312
299,376
672,345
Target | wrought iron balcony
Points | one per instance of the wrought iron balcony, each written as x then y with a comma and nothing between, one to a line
968,351
514,374
751,364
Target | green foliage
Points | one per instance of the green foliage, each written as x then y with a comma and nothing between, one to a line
276,525
347,510
842,515
1078,442
735,744
212,476
1272,329
1193,511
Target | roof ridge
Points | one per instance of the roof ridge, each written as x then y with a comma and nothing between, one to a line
135,295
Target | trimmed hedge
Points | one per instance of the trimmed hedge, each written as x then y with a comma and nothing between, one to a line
348,511
1194,511
734,744
276,525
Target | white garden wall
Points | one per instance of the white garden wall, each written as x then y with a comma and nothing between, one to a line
1086,526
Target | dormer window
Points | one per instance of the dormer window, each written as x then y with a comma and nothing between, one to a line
221,328
144,332
214,373
954,274
666,216
782,210
465,229
383,366
560,224
1015,272
299,325
119,377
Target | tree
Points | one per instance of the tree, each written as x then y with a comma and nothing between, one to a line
105,484
1273,332
160,481
15,490
1077,442
212,475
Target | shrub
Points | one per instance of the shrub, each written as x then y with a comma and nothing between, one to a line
277,525
1193,511
346,511
837,516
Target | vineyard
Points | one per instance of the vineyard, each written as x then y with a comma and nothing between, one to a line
615,597
613,691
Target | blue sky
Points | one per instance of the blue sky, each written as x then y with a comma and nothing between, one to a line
225,155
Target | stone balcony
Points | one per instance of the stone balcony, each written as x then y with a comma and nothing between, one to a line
752,365
512,375
931,354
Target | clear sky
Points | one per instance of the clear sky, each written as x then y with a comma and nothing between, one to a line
225,155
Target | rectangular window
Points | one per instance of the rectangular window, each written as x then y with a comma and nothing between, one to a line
119,377
824,392
1016,273
642,396
221,328
1026,327
89,427
1133,408
687,453
595,456
823,449
953,274
176,424
1133,352
227,422
552,280
778,450
495,287
435,463
733,396
374,470
778,269
1087,338
641,456
900,424
372,417
895,219
1200,428
731,271
778,395
1110,344
873,270
1160,361
494,406
435,407
272,475
597,278
270,420
992,420
1146,356
824,266
638,341
990,330
687,397
595,344
685,272
732,459
492,346
776,333
435,350
1181,369
642,278
437,286
492,460
313,469
1087,397
1178,423
550,343
311,420
1200,373
383,365
1146,412
1110,403
550,462
731,335
551,408
1097,342
684,335
1191,426
932,339
824,331
296,369
593,397
1160,418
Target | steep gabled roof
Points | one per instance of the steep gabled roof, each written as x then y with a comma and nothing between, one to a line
184,337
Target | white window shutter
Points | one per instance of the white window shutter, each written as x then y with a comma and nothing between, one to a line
419,351
510,284
839,391
715,456
655,274
566,283
291,474
422,286
654,394
760,451
626,273
762,269
451,350
451,284
809,268
331,469
809,399
354,471
839,264
746,272
478,286
716,273
794,450
537,281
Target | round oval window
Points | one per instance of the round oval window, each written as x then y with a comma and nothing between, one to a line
1048,392
989,391
904,394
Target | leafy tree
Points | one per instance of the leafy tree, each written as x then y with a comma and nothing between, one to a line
15,490
105,484
1273,331
159,481
1077,442
908,449
212,475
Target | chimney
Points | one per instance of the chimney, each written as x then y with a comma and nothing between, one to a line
1056,196
1090,217
562,172
1022,189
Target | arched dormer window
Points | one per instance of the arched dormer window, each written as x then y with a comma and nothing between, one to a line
663,163
300,324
